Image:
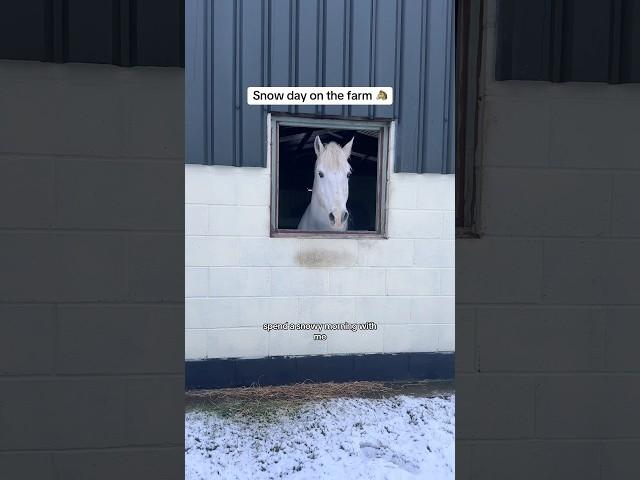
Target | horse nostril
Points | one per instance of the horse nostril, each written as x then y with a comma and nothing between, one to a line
332,218
345,215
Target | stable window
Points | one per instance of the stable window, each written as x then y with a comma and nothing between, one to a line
329,177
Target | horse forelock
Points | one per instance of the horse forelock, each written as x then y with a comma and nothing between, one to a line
333,158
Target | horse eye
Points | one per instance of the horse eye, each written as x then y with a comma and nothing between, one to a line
321,174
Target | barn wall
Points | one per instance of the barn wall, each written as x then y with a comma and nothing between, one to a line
238,278
404,44
91,314
542,344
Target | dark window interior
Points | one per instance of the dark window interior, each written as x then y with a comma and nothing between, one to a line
296,164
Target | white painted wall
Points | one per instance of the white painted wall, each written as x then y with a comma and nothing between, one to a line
560,232
238,278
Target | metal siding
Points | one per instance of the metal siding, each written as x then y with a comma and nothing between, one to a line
436,89
120,32
405,44
385,50
222,57
410,103
360,64
197,106
307,46
335,47
568,40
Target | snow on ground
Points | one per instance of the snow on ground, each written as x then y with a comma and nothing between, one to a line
397,438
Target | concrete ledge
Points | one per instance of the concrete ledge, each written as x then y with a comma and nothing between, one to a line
233,372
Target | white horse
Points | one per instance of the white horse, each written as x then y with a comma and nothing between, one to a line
328,207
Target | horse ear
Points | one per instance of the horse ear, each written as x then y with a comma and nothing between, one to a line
318,146
347,148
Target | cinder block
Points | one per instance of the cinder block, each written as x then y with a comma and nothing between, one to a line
299,281
620,460
448,281
27,465
433,310
533,460
411,338
621,339
144,338
202,186
203,251
625,215
583,132
327,253
383,310
195,344
449,225
196,220
522,339
239,312
465,330
517,132
346,341
239,282
85,194
413,281
150,399
436,191
591,272
447,338
29,184
266,252
435,253
513,265
463,461
587,406
155,266
63,266
415,224
357,281
291,342
38,424
327,309
403,192
494,407
239,221
253,187
154,118
27,336
196,282
160,463
385,253
70,117
237,343
546,202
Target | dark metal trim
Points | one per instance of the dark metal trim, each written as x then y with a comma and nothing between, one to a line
548,38
123,24
232,372
469,33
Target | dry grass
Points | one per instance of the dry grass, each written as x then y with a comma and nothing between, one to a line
298,391
267,402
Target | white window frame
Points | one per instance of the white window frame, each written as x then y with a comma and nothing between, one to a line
385,149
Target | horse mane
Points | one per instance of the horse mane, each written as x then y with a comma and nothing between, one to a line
333,158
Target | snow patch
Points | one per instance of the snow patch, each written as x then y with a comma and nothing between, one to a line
398,438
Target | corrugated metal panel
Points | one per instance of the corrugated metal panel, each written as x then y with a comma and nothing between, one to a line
406,44
121,32
568,40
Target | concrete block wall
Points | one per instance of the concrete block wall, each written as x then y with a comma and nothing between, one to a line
91,235
547,375
238,278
